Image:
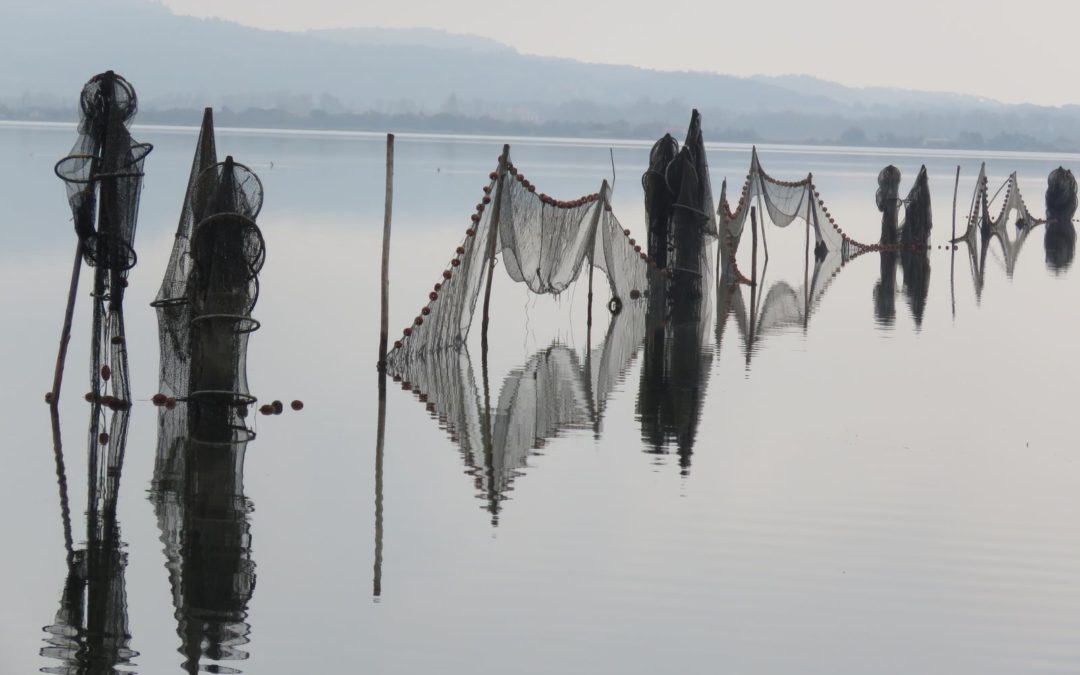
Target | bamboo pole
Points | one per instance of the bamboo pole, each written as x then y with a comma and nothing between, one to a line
387,209
491,243
65,331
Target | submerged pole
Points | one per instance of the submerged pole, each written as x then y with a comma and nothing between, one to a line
383,330
65,331
491,243
380,438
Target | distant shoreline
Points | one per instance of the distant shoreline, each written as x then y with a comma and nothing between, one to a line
574,141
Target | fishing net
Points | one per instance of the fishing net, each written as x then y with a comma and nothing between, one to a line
544,243
914,231
1010,226
1060,236
679,212
784,202
552,393
888,202
206,298
103,177
171,303
204,310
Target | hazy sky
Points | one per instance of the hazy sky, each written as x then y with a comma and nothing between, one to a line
1014,52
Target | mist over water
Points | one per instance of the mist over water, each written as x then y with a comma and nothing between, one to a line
883,484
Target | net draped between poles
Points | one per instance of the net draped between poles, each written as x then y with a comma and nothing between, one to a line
785,202
544,243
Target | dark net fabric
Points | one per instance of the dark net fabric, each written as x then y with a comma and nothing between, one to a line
544,243
888,202
206,298
918,214
103,176
679,212
1060,236
204,310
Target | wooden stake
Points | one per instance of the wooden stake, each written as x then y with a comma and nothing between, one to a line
493,235
383,326
65,332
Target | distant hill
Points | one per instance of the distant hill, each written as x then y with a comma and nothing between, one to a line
356,77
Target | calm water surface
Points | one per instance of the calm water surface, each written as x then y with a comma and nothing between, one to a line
865,490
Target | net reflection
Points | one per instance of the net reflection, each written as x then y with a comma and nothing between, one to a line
90,632
553,392
202,514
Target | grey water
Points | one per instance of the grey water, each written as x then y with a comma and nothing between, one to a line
885,486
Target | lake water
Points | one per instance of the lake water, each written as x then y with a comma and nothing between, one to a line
865,491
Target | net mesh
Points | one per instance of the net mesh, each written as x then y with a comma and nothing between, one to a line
785,202
679,212
543,242
206,298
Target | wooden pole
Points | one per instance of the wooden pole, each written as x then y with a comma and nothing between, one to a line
380,433
65,332
493,235
761,209
806,260
387,209
600,204
952,246
956,192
